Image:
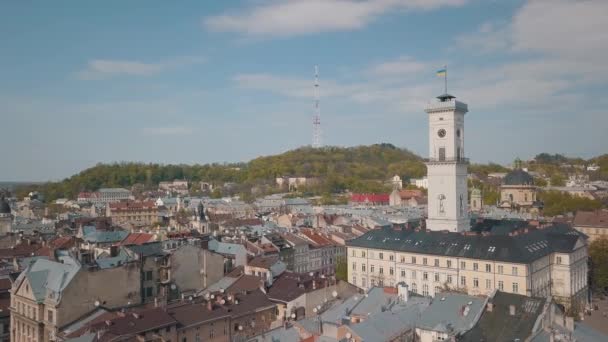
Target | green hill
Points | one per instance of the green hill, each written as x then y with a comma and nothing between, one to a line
361,168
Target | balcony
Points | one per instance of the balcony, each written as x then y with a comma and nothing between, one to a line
439,106
446,160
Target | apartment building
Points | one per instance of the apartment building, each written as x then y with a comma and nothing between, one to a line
49,295
133,212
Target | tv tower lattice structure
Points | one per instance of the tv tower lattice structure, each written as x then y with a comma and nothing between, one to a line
316,119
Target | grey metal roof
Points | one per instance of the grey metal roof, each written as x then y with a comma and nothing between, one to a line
387,325
148,249
105,236
48,277
226,248
452,313
500,326
277,335
521,248
111,262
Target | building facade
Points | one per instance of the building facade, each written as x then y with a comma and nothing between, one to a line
549,261
133,212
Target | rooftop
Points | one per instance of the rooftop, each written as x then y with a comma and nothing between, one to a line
519,246
597,219
497,324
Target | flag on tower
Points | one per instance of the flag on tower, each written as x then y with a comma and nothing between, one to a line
442,72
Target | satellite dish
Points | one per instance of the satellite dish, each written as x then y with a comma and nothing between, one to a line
348,335
212,296
97,303
334,294
293,315
222,302
173,287
190,298
315,310
240,327
221,290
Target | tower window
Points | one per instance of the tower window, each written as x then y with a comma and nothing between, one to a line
442,154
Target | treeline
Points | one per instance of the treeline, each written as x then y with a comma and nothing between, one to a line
557,203
361,168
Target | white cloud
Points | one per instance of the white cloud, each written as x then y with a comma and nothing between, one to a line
399,67
555,48
576,29
297,17
104,68
167,130
292,87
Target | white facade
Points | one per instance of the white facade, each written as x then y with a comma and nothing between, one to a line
447,167
421,182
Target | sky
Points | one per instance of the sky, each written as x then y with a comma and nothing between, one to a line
228,81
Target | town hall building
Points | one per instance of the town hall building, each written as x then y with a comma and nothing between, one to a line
533,259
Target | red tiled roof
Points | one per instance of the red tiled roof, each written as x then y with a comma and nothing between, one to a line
407,194
20,250
598,219
370,198
5,284
246,283
129,323
317,238
137,239
263,262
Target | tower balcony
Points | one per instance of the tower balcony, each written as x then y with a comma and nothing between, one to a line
458,160
447,105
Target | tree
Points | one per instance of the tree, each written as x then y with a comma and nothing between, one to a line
557,180
217,193
558,203
341,269
598,252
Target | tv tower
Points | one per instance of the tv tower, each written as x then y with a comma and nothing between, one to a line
316,118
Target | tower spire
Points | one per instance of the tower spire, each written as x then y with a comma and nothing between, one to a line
316,119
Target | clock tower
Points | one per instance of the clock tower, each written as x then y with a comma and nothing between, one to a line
447,166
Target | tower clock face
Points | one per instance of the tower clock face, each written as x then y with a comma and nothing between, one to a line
441,133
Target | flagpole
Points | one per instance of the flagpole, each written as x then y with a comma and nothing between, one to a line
446,79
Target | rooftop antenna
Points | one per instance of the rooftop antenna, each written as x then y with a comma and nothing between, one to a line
316,119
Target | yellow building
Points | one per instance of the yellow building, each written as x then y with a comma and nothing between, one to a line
518,192
133,212
532,262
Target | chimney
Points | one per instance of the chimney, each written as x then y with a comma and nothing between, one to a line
512,310
402,292
490,307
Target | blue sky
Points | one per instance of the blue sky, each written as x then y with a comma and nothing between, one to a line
215,81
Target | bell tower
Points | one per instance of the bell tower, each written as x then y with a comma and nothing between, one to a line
447,166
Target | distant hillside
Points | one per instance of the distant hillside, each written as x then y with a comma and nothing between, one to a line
361,168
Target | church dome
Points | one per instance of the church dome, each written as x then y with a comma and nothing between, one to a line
518,177
4,207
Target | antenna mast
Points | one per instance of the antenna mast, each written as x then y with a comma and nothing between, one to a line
316,119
